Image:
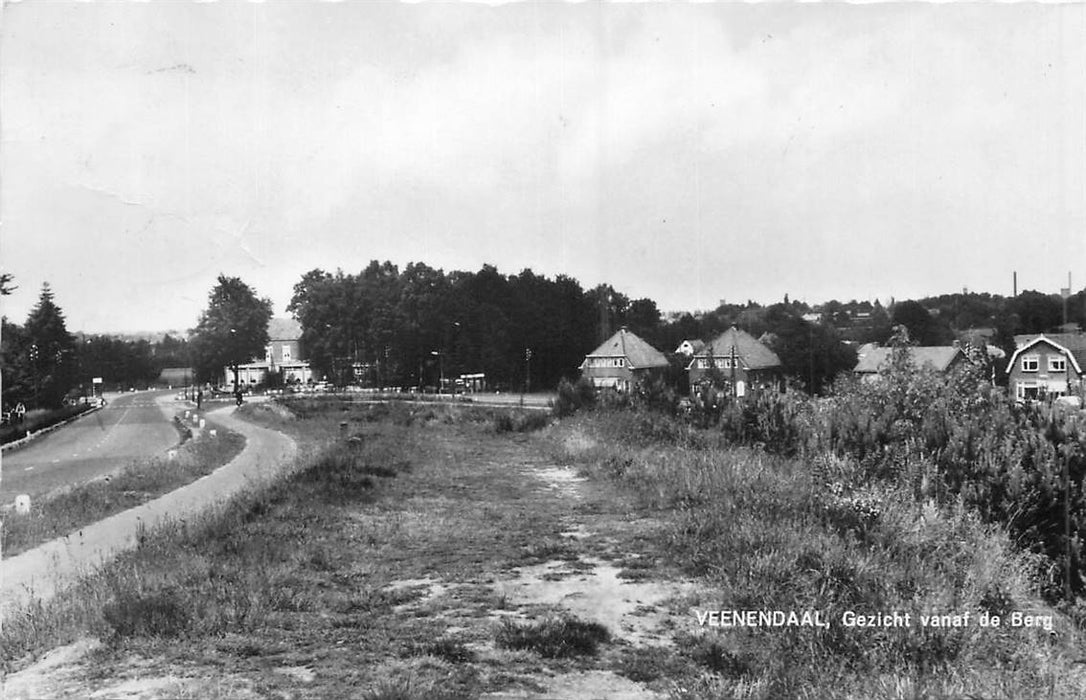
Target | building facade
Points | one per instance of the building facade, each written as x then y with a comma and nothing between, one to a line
621,362
1045,366
736,360
282,355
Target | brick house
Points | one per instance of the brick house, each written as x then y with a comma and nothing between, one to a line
1046,365
741,361
282,354
621,362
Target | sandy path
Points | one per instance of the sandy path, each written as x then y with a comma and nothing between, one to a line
37,574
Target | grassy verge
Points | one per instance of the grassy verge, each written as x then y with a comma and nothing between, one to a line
376,571
134,485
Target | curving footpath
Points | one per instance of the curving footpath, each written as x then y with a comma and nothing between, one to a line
39,573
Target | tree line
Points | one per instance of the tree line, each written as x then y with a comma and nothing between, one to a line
42,363
409,327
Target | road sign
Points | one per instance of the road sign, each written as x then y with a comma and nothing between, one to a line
96,380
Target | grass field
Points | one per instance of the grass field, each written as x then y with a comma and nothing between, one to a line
455,553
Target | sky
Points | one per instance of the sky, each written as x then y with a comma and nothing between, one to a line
689,153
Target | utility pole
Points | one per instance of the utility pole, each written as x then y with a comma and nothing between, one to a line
735,393
528,370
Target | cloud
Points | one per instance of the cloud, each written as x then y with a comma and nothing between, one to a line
651,146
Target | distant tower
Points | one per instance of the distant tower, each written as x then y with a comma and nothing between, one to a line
1016,283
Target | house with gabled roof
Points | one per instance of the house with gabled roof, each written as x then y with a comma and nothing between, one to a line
622,361
1047,364
738,359
282,354
873,360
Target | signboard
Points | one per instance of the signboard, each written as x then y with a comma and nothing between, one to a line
96,380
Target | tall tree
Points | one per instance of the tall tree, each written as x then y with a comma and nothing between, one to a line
322,305
810,353
232,331
51,351
15,375
643,318
924,329
1037,312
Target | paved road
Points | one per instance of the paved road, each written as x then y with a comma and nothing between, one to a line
130,427
40,572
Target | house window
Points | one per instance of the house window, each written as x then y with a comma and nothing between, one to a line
1030,363
286,353
725,363
703,364
1057,364
1026,391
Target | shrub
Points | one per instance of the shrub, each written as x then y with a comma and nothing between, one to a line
521,422
655,394
573,397
553,638
339,475
157,614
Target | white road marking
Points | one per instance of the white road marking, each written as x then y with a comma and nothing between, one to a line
28,469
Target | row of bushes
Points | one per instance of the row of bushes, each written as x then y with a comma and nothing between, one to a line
39,420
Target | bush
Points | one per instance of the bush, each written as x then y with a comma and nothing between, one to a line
655,394
521,422
573,397
39,420
553,638
340,475
157,614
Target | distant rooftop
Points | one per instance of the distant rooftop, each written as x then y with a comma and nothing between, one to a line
937,357
284,329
